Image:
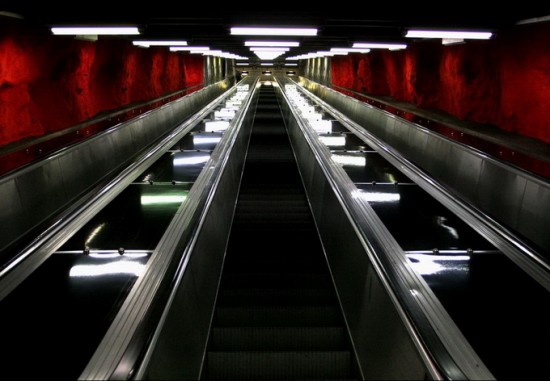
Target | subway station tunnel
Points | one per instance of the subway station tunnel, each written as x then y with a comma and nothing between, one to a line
238,194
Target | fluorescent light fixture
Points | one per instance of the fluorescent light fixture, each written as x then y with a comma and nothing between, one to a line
280,50
426,264
189,48
83,31
291,64
268,55
375,45
288,44
266,64
251,31
292,58
378,196
159,43
413,33
242,64
350,50
321,126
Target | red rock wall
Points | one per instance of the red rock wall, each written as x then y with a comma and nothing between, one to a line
48,83
504,81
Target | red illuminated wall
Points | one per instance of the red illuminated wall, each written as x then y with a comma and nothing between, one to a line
504,81
48,83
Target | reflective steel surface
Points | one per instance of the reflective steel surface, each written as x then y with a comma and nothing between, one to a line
134,220
52,323
366,167
183,166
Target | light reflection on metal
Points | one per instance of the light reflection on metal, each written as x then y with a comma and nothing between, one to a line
333,141
440,220
429,264
354,161
181,161
111,255
159,199
105,269
93,234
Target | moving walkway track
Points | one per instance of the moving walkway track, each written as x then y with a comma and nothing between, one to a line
277,313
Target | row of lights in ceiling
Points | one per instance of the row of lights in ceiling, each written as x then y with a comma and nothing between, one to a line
269,50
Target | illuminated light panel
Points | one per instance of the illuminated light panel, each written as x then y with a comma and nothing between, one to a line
242,64
83,31
278,50
117,255
159,43
333,141
252,31
159,199
206,140
378,196
354,161
114,268
322,126
184,161
417,33
216,125
375,45
291,64
349,50
426,264
268,55
289,44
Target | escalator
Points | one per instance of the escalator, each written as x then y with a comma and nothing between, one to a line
277,314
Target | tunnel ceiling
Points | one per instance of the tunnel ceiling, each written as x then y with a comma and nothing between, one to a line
337,28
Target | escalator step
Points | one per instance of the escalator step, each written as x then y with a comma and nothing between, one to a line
281,280
278,338
276,365
276,297
277,316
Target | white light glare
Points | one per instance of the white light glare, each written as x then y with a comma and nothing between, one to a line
247,31
216,125
160,199
354,161
448,34
88,31
192,160
290,44
114,268
378,196
333,141
159,43
375,45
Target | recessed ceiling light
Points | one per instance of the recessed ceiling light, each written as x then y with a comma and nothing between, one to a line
253,31
376,45
159,43
416,33
97,30
291,44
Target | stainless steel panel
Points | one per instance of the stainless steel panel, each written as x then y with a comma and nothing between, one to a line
434,159
45,187
85,165
501,192
466,174
534,217
418,141
42,191
11,213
